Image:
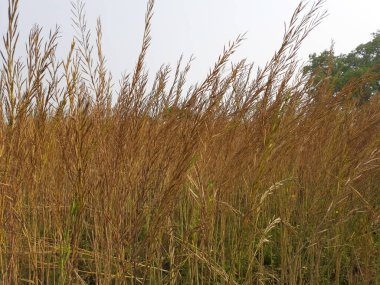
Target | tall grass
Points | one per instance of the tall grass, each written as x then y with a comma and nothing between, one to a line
249,177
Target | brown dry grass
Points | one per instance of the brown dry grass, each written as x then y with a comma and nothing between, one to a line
246,178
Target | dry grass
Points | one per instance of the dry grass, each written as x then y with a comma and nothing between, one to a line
246,178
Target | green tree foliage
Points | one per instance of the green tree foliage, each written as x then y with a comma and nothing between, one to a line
361,63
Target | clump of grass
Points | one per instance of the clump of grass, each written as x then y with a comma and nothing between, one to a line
245,178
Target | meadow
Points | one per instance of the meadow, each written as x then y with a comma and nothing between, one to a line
251,176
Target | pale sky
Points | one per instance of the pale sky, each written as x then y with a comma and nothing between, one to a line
199,27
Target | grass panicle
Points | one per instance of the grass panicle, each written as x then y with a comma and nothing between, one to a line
252,176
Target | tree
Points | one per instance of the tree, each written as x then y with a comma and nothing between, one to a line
363,61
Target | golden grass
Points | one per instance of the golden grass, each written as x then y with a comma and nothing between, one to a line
246,178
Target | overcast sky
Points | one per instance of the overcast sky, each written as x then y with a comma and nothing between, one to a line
199,27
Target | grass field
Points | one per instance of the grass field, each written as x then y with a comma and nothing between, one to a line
252,176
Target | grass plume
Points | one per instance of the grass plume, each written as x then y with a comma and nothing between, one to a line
245,178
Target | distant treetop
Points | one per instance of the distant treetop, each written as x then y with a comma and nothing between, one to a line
364,60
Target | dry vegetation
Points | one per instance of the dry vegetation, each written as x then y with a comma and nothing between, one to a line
250,177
